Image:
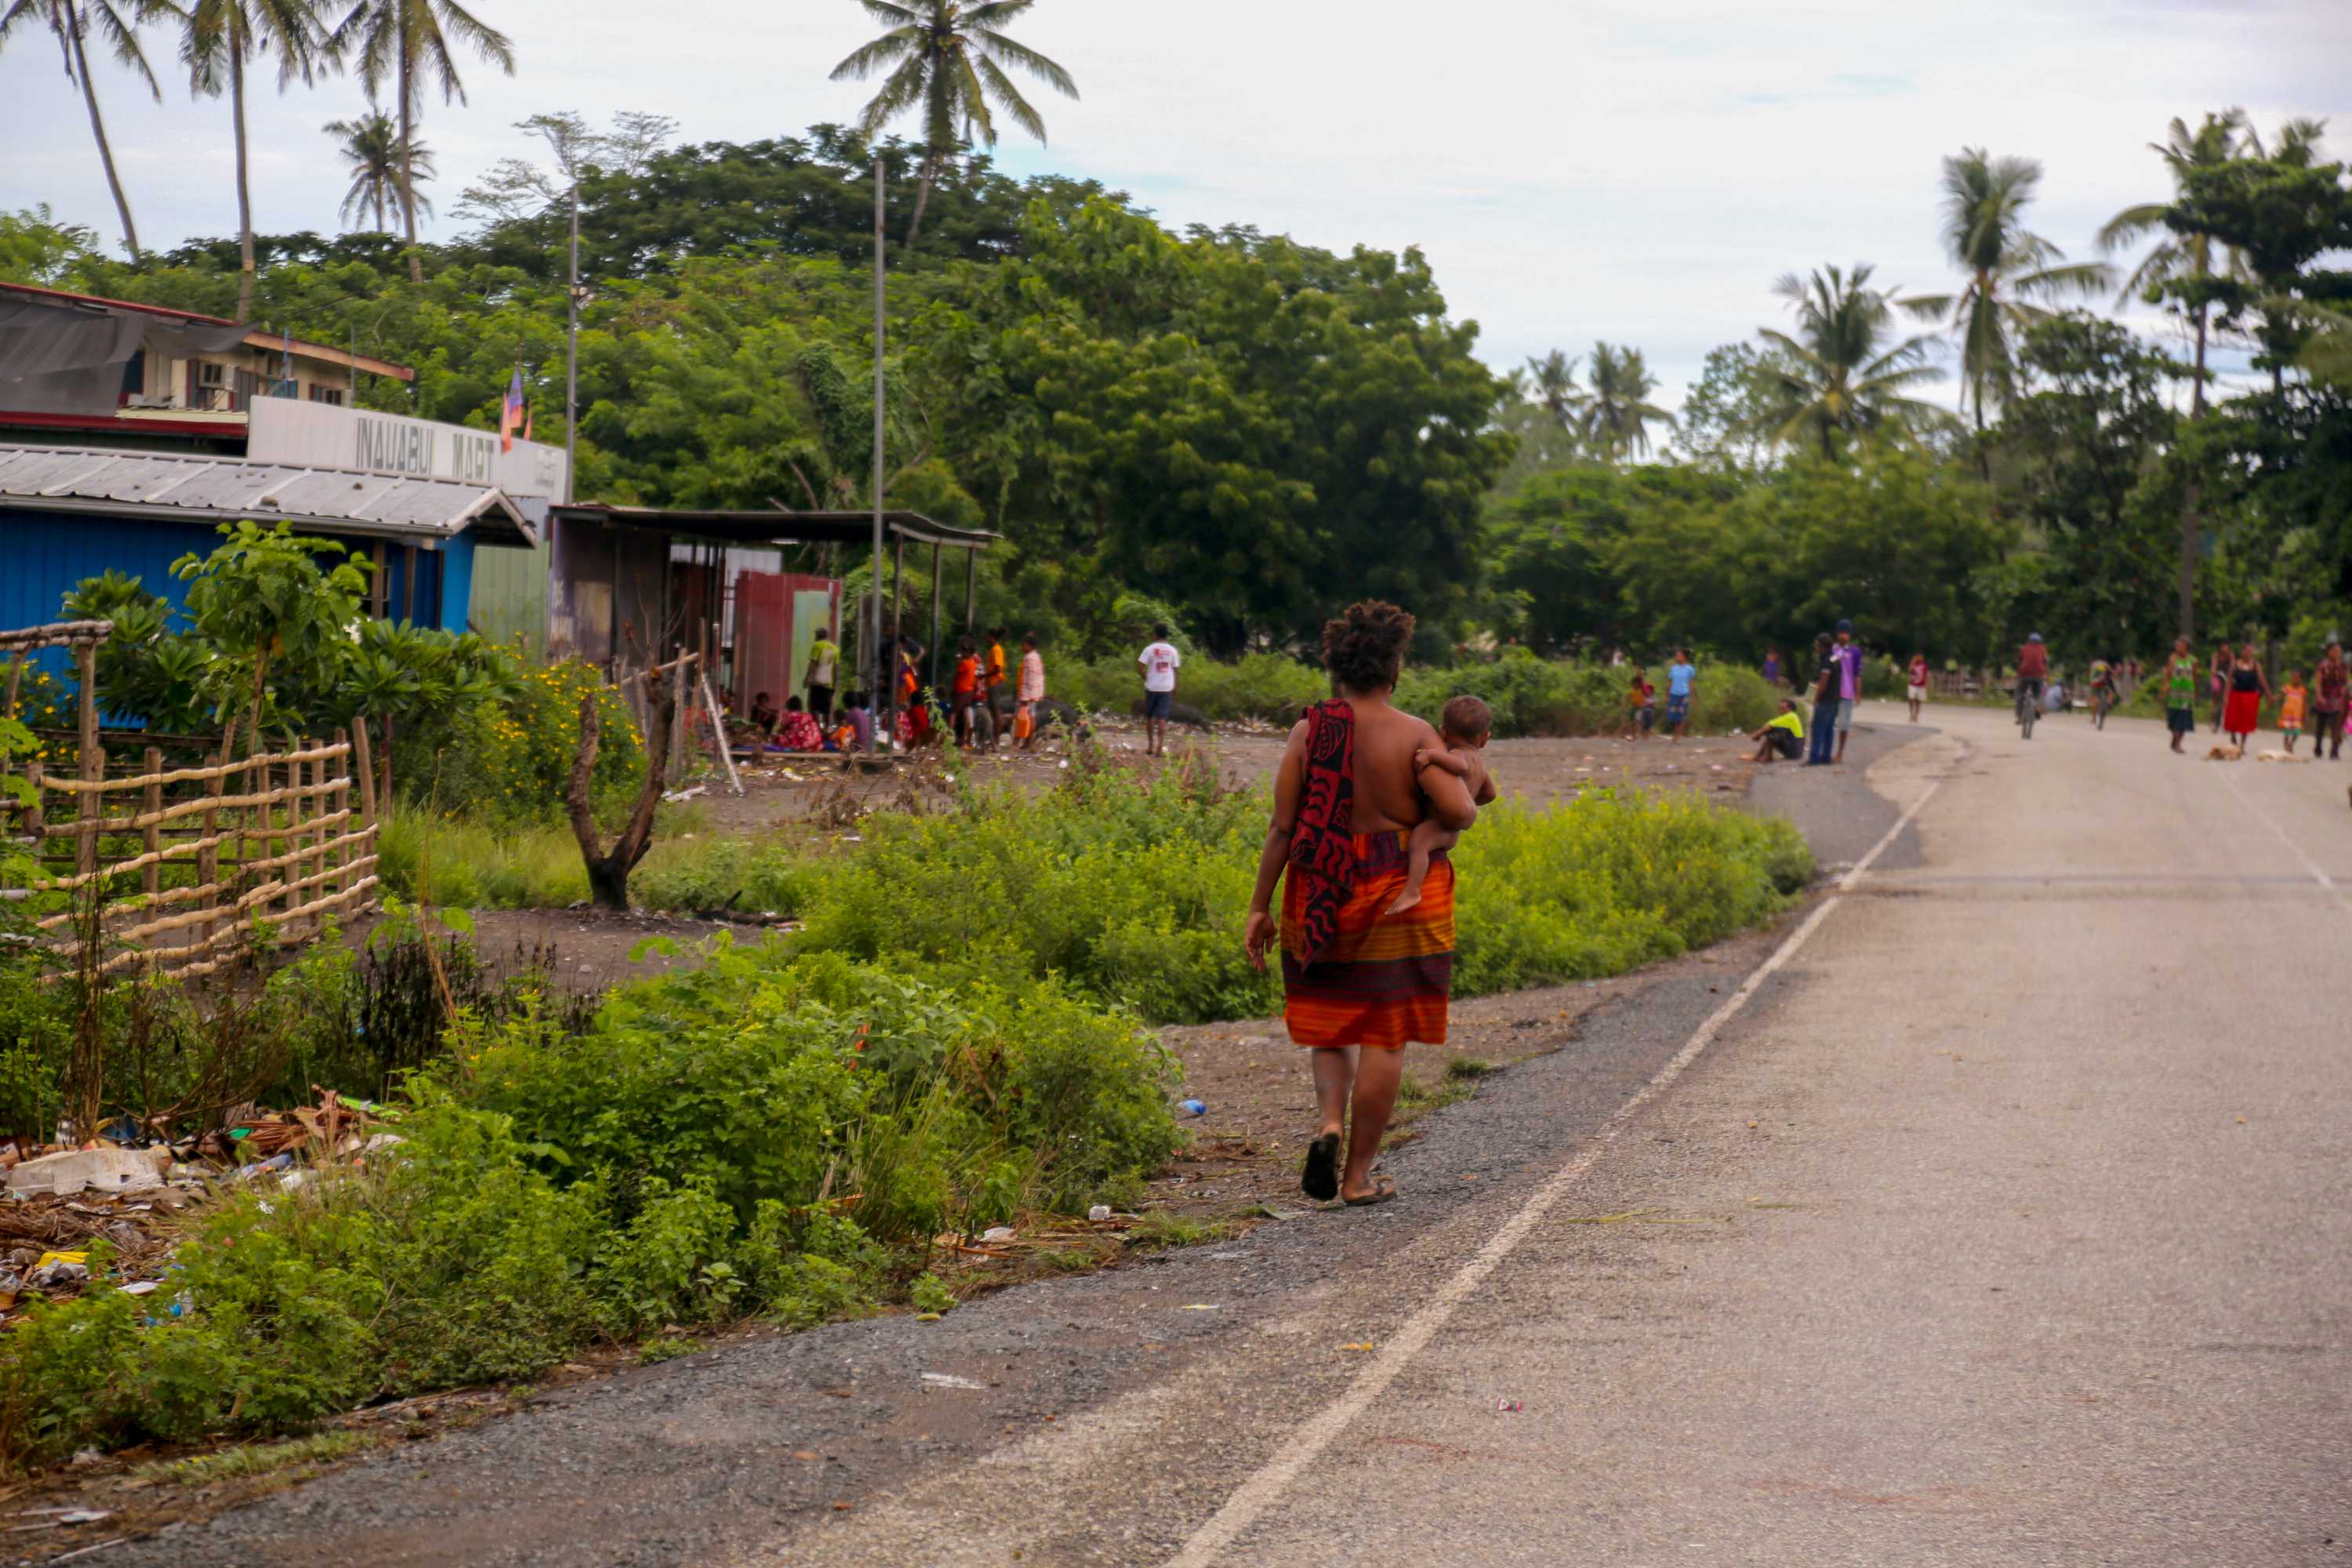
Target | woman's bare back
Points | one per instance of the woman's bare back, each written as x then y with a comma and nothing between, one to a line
1388,795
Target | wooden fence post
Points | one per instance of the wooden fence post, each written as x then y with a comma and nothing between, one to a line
91,806
365,770
152,805
342,808
291,873
208,857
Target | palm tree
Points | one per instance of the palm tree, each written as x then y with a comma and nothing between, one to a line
2187,258
407,41
1837,374
70,21
2009,270
219,37
949,58
1617,411
370,148
1552,380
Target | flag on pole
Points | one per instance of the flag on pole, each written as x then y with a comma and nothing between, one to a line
512,414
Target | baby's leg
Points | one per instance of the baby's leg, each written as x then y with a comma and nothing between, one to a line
1428,838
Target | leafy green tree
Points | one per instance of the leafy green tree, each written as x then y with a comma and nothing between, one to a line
2282,212
217,38
410,43
36,248
1889,538
1731,415
117,23
1617,413
1839,375
370,147
1555,545
2088,428
947,59
2186,260
2010,271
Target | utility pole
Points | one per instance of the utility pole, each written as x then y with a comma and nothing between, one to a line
571,354
873,704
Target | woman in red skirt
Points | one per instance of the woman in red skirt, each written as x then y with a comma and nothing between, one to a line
2241,714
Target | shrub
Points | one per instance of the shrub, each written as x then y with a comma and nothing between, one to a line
1532,696
512,760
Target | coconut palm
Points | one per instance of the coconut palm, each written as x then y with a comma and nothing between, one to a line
370,147
1837,374
117,22
2010,271
407,41
1617,410
948,58
217,38
2186,259
1551,383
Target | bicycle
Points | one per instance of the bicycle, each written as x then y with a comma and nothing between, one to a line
2029,706
2102,699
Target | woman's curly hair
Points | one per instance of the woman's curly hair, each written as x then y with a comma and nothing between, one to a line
1364,647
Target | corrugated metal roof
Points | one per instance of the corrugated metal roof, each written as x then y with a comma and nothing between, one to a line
195,487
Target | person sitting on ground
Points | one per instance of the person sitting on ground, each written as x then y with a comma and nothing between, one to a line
1680,675
1463,728
1782,736
2056,699
798,731
1641,706
857,720
764,715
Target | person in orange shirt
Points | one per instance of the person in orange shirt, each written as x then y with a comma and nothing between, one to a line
965,690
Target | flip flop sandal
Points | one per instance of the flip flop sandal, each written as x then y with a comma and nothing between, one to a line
1383,1192
1320,1181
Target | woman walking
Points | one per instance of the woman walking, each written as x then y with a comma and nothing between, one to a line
1358,986
2331,688
2180,693
2241,715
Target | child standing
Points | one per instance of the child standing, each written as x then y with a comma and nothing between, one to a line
1679,676
1641,706
1031,691
1463,728
1916,684
2292,698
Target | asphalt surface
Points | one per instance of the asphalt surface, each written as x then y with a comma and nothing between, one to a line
1995,1212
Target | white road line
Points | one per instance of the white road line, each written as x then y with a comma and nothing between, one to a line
2310,865
1257,1493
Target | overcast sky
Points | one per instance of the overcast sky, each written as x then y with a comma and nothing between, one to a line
1634,170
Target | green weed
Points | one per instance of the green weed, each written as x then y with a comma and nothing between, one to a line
249,1460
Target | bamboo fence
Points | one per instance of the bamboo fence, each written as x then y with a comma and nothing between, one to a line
264,847
273,842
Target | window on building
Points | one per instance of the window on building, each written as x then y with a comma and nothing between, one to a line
211,372
333,394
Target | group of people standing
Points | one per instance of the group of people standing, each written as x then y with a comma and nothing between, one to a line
2240,688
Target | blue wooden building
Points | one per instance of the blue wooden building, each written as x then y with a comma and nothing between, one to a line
67,513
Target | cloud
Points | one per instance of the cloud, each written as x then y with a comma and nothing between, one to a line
1635,171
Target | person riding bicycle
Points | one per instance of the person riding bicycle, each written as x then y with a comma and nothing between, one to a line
2032,671
2103,686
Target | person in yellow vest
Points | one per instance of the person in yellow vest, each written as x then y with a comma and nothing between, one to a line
823,661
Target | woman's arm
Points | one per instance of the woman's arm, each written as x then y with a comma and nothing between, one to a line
1289,782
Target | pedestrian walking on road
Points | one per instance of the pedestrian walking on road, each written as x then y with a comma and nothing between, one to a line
2180,692
2220,684
2331,684
2249,689
1682,676
1915,685
1358,983
2293,699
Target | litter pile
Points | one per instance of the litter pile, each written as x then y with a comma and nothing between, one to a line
123,1188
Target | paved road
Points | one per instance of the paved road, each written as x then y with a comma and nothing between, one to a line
1995,1211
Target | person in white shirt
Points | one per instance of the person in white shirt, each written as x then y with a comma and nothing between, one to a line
1158,664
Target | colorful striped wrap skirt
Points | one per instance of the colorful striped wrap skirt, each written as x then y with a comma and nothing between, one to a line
1385,979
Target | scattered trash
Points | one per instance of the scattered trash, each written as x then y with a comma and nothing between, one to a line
997,1233
927,1317
1201,1307
950,1380
56,1268
107,1170
139,1288
1507,1406
1364,1346
1192,1108
675,796
1099,1212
